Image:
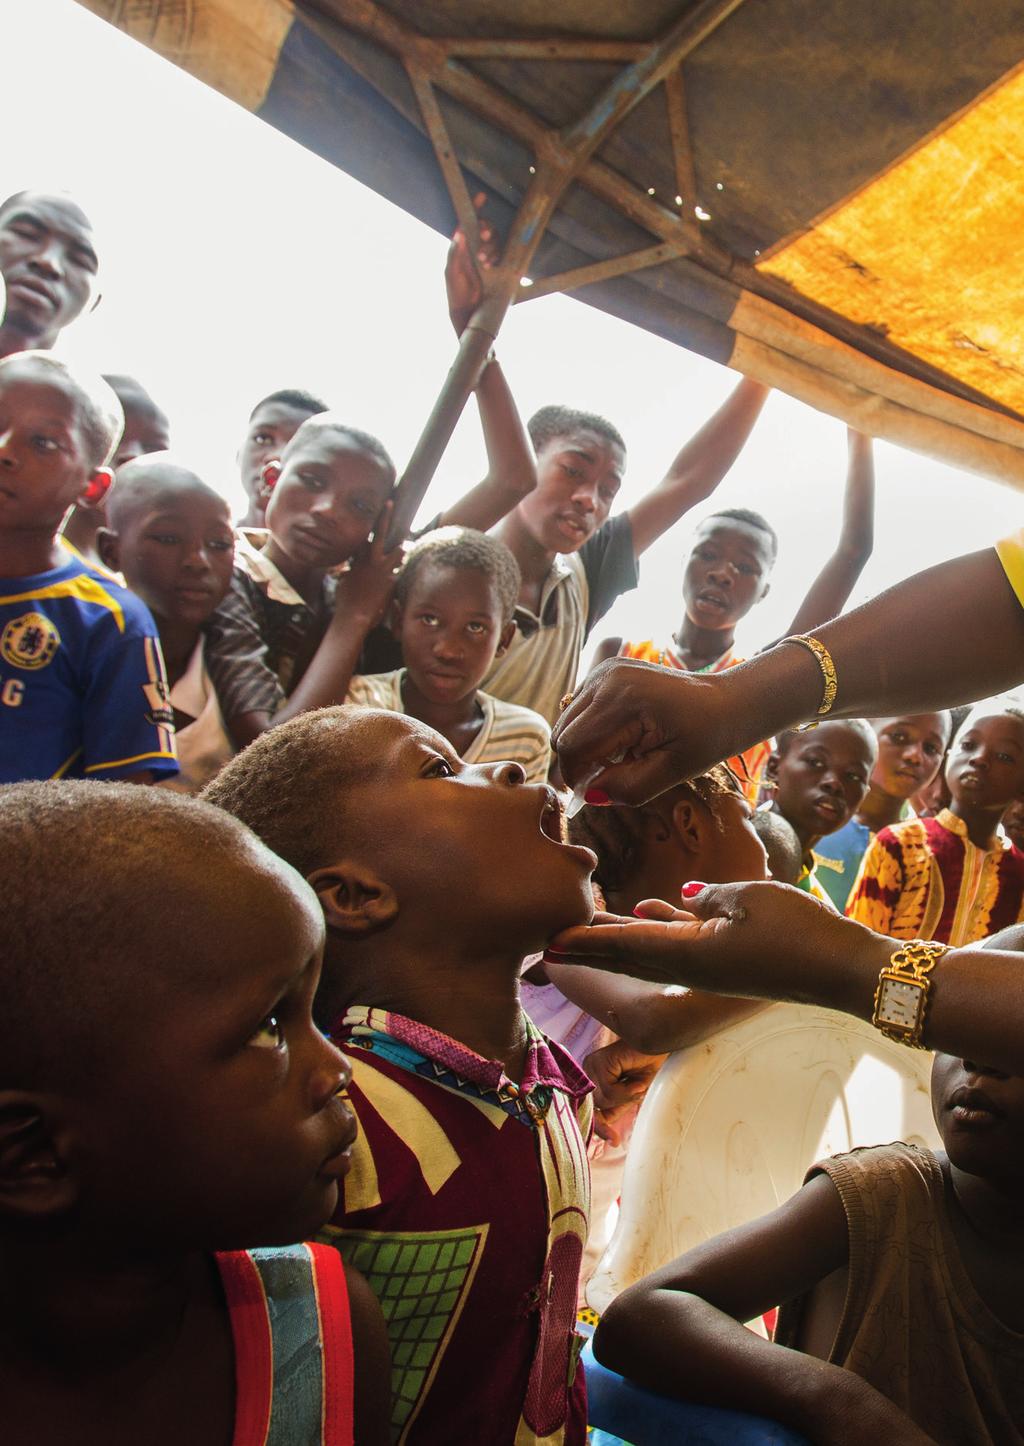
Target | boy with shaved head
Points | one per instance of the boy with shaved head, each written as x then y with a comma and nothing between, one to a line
170,535
48,263
167,1105
82,685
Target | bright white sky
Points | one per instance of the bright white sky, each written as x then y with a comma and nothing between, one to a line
235,262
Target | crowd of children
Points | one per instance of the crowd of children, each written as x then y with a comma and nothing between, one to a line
298,1125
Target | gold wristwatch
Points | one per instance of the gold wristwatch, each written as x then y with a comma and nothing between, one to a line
901,998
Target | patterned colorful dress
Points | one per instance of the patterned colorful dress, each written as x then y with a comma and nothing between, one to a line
466,1208
747,766
924,879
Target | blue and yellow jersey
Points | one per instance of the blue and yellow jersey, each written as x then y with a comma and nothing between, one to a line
83,693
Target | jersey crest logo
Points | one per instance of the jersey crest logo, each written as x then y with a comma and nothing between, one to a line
29,641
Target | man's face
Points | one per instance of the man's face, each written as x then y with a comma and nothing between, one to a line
219,1123
578,478
44,456
271,428
49,266
726,573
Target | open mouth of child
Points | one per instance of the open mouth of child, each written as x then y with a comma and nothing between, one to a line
552,826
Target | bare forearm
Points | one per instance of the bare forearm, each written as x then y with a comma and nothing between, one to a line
700,466
511,465
949,635
324,683
831,589
688,1348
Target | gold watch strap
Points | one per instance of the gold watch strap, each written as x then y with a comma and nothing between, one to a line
911,963
823,658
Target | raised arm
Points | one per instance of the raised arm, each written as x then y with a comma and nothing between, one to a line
831,589
948,635
511,464
770,941
700,466
680,1330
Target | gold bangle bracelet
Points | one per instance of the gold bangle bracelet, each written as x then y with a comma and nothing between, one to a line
828,669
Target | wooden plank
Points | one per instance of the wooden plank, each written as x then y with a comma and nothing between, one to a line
679,130
552,49
448,161
599,271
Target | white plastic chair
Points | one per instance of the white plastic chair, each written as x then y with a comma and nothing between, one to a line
731,1126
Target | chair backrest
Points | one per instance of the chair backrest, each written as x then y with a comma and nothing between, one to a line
731,1126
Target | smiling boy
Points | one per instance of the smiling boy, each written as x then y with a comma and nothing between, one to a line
467,1202
956,877
82,684
453,614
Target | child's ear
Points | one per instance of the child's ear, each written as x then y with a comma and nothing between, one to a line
108,545
508,632
688,824
355,902
36,1181
97,487
268,477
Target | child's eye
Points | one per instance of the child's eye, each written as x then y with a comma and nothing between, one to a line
440,768
429,620
1005,758
313,483
220,544
46,445
263,439
476,629
571,471
168,539
269,1034
365,509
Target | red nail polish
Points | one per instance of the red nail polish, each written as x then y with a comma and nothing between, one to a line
689,891
596,796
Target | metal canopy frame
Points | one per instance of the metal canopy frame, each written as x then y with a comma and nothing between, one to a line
560,157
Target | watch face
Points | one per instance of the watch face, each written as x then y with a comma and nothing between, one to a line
899,1002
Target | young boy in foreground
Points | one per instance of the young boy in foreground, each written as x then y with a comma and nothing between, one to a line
170,535
901,1273
82,686
165,1103
955,877
468,1198
453,614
